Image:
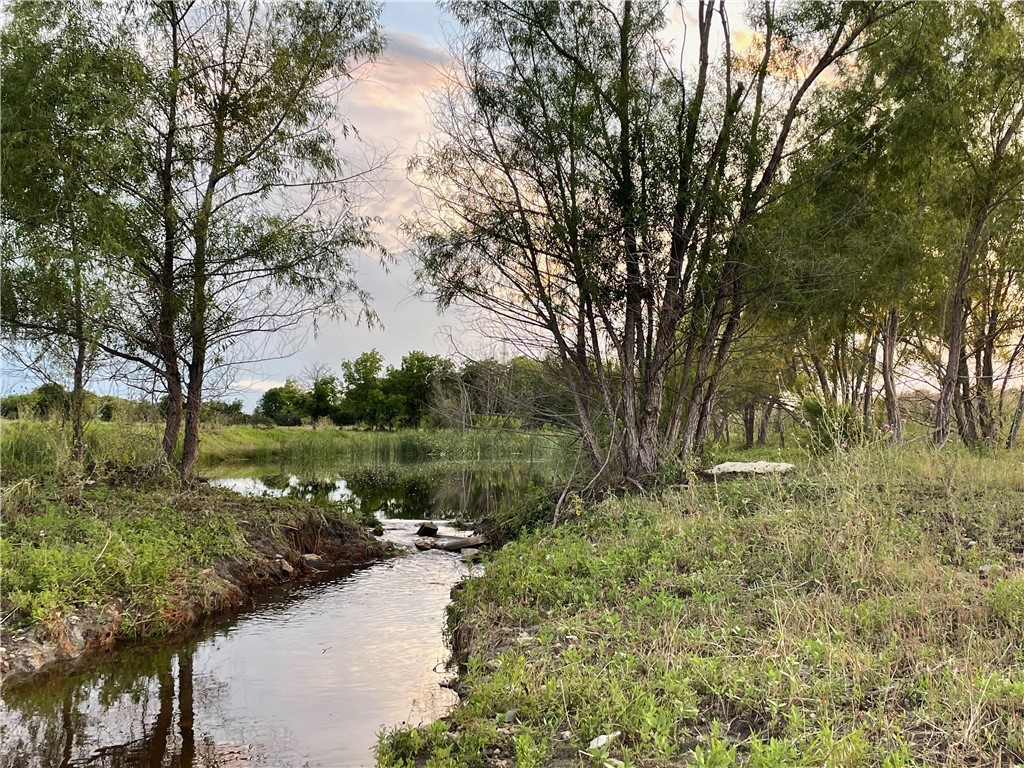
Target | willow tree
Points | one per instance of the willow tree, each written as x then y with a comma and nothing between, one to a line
238,208
67,85
597,198
252,212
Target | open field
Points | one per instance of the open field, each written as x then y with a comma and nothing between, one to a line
867,611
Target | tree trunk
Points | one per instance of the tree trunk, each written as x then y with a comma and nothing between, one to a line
81,352
969,421
955,343
892,406
193,407
869,381
766,416
749,419
166,338
1018,414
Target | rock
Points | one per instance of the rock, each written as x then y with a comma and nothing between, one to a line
750,468
286,568
314,562
423,544
989,571
427,529
455,544
469,554
603,740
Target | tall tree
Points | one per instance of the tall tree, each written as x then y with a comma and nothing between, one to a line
599,200
67,85
241,211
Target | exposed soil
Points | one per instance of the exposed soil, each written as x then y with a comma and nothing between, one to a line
228,586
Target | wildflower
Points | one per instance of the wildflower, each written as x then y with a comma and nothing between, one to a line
886,427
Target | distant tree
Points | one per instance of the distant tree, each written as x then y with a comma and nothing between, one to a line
323,398
414,383
364,399
220,412
284,405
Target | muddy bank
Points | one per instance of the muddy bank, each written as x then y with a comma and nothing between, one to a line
303,547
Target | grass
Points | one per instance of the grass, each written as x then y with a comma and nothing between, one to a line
307,449
145,549
868,611
32,449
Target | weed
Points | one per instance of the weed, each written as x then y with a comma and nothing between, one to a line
834,617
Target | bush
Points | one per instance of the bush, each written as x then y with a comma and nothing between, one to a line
831,425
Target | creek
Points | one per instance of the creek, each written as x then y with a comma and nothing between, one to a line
307,676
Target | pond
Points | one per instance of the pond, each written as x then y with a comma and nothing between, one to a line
307,677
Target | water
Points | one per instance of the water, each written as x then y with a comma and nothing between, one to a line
410,490
306,678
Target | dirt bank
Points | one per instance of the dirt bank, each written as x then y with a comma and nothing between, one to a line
275,543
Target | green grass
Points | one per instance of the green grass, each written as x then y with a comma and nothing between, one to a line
836,617
67,549
32,449
302,448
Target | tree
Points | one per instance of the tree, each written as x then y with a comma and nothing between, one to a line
283,405
414,383
364,399
322,400
66,84
255,212
239,211
599,201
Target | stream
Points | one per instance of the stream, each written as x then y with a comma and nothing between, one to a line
307,677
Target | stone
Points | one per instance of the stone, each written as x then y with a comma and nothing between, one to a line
314,562
456,544
286,568
423,544
427,528
603,740
750,468
470,554
989,571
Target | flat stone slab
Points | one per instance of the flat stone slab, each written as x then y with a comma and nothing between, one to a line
750,468
456,544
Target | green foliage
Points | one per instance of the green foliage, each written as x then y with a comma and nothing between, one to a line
141,548
756,622
831,425
283,405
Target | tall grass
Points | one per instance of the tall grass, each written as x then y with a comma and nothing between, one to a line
312,449
865,611
36,449
43,449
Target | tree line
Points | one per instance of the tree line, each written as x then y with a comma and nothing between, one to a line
830,206
424,391
822,216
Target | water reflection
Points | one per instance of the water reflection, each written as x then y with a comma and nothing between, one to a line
136,700
420,491
307,678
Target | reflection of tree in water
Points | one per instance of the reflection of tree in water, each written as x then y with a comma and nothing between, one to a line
435,492
56,724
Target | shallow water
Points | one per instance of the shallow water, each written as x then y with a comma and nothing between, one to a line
307,678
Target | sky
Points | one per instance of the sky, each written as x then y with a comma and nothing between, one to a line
389,107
